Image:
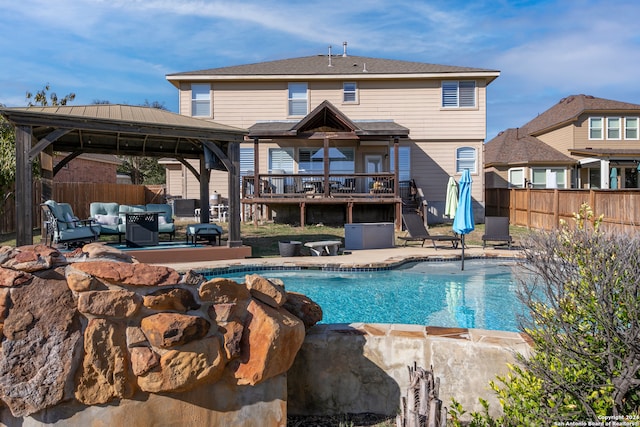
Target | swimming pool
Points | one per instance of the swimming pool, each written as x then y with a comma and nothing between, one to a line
426,293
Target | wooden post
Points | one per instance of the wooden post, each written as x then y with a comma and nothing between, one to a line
24,187
256,168
233,153
303,207
204,192
556,206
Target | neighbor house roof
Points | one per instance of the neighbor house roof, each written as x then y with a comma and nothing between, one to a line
323,66
511,147
570,108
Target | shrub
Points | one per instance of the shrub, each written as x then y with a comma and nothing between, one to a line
583,295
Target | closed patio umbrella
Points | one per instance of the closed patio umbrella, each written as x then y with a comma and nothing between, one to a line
613,178
463,222
451,203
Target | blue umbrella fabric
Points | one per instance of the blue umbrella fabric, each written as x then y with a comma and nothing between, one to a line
463,222
613,178
451,202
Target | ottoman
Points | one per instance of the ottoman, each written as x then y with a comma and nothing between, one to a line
207,232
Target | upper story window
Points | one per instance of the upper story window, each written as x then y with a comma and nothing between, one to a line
595,127
200,100
349,92
466,159
613,127
630,128
298,103
456,94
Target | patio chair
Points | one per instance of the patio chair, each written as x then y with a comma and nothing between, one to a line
63,227
496,229
418,232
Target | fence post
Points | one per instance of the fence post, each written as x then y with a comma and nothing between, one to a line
556,207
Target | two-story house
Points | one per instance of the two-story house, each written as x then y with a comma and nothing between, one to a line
341,138
581,142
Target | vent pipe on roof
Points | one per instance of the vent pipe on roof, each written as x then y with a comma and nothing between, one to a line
364,68
330,64
344,49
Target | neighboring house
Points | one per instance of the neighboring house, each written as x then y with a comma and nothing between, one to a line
96,168
581,142
337,138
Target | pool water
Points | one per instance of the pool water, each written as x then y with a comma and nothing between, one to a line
428,293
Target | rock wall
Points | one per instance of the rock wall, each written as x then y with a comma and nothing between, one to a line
95,332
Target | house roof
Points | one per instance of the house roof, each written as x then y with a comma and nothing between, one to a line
327,118
570,108
512,147
323,66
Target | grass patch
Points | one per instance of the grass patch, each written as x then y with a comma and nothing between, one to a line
264,237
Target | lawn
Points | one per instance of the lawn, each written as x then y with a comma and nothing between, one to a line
264,237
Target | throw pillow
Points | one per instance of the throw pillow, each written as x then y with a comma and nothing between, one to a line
70,220
162,220
111,220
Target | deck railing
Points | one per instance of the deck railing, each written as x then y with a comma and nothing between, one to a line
282,186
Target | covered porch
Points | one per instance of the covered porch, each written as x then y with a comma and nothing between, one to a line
328,162
607,168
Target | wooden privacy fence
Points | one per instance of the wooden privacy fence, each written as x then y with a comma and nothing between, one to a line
544,209
80,196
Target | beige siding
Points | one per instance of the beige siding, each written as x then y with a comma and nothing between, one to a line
582,135
184,99
415,104
560,139
174,175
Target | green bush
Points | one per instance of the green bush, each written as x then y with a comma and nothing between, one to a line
583,295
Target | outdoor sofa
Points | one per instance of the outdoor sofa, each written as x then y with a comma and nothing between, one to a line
111,217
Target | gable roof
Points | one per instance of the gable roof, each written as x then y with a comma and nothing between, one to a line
570,108
512,147
337,65
327,118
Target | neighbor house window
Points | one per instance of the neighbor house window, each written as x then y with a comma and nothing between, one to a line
200,100
631,128
298,103
404,163
281,159
516,178
466,159
613,127
548,177
349,92
459,93
595,127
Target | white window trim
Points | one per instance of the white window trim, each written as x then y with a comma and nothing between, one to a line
619,119
602,129
548,170
457,95
194,100
512,184
356,93
289,99
475,159
637,120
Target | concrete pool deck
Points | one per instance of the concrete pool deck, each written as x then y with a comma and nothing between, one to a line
368,258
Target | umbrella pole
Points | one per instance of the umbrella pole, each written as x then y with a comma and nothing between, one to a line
462,240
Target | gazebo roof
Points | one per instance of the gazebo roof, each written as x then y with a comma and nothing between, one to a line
123,129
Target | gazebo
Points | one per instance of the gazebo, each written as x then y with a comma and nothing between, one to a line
121,130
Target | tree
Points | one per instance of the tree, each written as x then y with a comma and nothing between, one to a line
40,98
583,293
144,170
8,141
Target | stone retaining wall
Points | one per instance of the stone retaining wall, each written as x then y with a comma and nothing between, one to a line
362,368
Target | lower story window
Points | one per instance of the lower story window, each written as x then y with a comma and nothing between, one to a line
466,159
516,178
548,177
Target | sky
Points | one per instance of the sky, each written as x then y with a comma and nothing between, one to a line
121,50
